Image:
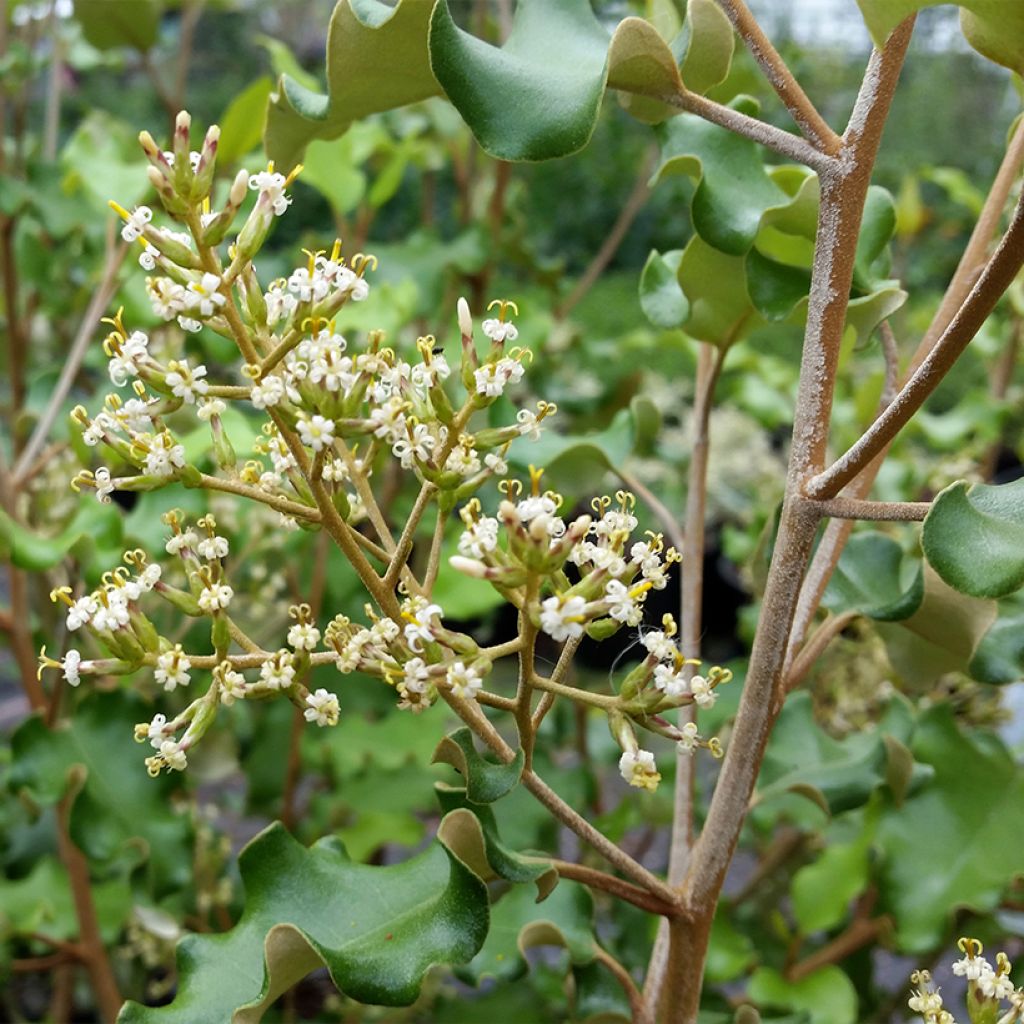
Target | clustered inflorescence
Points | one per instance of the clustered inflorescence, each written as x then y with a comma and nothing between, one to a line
335,411
992,997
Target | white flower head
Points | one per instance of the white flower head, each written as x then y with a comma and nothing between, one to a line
172,668
463,681
317,432
563,618
639,769
322,708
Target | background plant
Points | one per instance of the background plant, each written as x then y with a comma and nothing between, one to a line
755,386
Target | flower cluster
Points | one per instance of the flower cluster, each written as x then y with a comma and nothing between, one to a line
333,410
991,995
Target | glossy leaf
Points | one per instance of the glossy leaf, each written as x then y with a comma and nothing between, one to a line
994,28
485,781
473,829
117,809
661,298
241,125
376,60
974,537
874,577
376,929
956,843
733,186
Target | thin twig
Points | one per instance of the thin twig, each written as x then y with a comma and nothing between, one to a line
814,127
814,648
636,1001
873,511
997,276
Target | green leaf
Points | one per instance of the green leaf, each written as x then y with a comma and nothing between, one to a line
117,806
974,537
92,525
941,636
108,24
485,781
283,62
730,952
519,923
715,285
241,125
661,298
733,188
710,42
956,843
42,902
999,658
874,577
329,167
376,929
376,60
827,996
823,890
473,829
801,755
993,27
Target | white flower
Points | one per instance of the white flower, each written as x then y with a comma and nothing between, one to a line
563,619
688,740
267,393
703,693
479,538
136,222
162,460
278,672
213,547
495,463
972,968
317,432
416,676
639,769
82,611
150,576
529,424
996,986
187,383
669,681
210,407
215,596
187,323
172,668
147,258
304,636
418,624
155,733
104,485
173,756
205,296
500,331
113,613
180,541
125,362
658,644
622,606
232,686
464,682
70,664
322,708
415,446
271,185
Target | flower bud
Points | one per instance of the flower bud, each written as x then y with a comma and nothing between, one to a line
183,175
207,164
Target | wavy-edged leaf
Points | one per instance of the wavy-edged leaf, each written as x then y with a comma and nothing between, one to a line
876,578
973,536
994,28
117,806
485,781
715,285
956,843
999,657
93,526
473,829
941,636
377,59
376,929
519,923
733,187
661,298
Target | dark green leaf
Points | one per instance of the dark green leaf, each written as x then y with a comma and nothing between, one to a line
974,537
485,781
874,577
108,24
661,298
376,929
